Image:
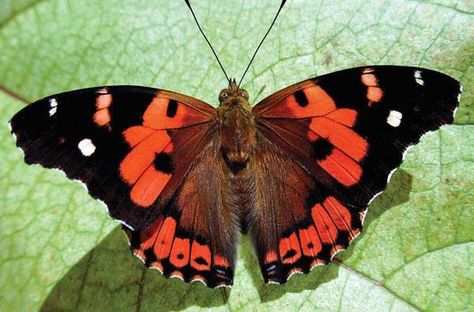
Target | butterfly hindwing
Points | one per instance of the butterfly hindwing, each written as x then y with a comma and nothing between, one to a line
196,238
124,143
345,132
297,221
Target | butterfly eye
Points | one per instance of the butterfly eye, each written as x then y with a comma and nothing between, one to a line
223,95
244,94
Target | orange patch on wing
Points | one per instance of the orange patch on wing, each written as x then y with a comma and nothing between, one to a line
136,134
369,79
342,168
103,101
102,117
310,242
313,136
374,93
142,155
343,116
339,213
200,256
326,229
179,256
329,224
271,256
342,137
102,104
290,250
139,253
148,236
164,240
149,186
220,261
156,116
319,103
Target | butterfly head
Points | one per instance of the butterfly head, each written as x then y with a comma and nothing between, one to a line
232,93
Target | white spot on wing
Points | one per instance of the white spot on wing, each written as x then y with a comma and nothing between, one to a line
84,186
15,138
125,223
407,149
104,205
86,147
390,175
419,80
53,111
313,266
53,104
459,94
154,268
177,276
198,280
271,268
293,273
455,110
102,91
394,118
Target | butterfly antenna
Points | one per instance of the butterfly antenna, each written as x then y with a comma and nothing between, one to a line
207,40
261,42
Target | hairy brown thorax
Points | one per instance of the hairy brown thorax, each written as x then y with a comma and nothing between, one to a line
236,126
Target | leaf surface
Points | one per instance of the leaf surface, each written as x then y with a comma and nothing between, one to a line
61,251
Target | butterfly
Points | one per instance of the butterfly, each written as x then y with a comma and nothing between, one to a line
296,171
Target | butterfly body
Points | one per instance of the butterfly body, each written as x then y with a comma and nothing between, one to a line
236,126
296,171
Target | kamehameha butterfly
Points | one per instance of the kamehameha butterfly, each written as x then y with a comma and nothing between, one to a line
296,171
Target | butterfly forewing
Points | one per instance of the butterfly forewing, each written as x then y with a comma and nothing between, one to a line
347,131
125,143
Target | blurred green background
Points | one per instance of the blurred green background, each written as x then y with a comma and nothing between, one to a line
60,251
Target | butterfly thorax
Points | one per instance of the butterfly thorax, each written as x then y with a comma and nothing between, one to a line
236,126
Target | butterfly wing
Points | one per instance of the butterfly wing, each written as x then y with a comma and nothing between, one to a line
130,146
150,155
336,139
195,239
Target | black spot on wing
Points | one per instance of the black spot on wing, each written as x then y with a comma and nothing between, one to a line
201,260
163,163
301,98
289,254
321,149
150,256
172,108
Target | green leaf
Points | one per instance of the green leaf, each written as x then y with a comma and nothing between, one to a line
61,251
9,9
